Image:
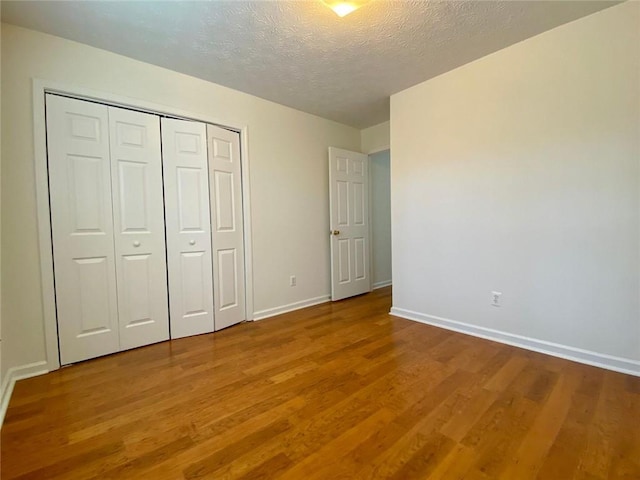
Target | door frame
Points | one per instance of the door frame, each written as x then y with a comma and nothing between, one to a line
373,152
40,89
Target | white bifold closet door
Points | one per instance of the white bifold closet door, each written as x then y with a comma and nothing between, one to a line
82,228
227,228
188,227
107,228
138,217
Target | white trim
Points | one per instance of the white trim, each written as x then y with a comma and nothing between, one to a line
372,285
381,284
609,362
76,91
13,375
246,218
40,87
44,227
271,312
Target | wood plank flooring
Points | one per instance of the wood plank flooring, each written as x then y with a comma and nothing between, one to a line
335,391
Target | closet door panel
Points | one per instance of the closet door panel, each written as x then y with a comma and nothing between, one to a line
82,228
184,150
227,228
136,170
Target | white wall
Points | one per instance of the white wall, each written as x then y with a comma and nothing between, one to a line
375,139
289,174
520,173
379,165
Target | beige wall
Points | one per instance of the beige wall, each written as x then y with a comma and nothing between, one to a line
289,179
520,173
375,139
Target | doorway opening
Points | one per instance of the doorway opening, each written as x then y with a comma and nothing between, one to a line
380,214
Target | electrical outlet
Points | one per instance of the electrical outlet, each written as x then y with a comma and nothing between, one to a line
496,299
292,281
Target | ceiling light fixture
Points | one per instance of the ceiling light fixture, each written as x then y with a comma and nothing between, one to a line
343,8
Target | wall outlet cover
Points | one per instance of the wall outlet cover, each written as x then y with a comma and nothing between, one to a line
496,299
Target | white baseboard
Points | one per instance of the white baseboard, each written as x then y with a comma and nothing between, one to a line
382,284
271,312
13,375
609,362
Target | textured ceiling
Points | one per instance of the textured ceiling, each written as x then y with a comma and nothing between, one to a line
299,53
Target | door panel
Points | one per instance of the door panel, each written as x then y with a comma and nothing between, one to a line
358,204
349,219
133,183
190,206
93,305
188,228
135,280
344,260
223,189
193,276
360,264
342,200
227,264
227,232
82,228
136,169
87,181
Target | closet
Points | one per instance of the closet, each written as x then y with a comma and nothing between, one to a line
146,225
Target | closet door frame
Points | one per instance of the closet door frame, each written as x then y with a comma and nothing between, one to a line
40,89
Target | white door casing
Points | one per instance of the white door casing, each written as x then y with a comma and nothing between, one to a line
82,228
226,226
138,215
188,229
349,223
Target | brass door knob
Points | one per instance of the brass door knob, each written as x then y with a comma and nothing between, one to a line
335,232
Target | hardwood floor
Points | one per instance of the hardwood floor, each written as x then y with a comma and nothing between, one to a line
336,391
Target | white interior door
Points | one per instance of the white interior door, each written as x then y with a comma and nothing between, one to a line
138,214
188,228
226,226
82,228
349,221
